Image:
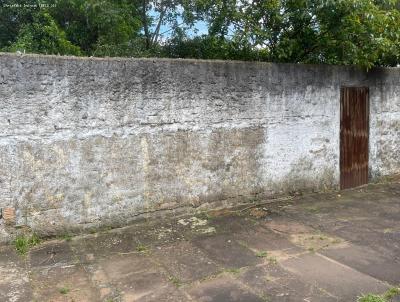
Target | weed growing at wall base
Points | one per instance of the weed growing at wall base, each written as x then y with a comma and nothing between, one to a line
24,242
371,298
388,296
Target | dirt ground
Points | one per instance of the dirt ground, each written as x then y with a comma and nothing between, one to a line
316,247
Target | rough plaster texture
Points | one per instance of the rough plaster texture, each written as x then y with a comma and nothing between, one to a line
87,141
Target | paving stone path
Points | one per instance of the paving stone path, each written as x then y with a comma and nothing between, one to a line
315,247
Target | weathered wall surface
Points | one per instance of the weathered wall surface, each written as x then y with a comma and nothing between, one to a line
384,122
98,141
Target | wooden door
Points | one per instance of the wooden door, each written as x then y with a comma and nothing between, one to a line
354,136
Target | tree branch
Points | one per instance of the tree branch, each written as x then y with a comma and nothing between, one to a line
157,31
145,24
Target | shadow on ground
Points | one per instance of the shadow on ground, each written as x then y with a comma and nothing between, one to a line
319,247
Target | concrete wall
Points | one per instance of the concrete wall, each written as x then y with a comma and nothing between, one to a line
87,141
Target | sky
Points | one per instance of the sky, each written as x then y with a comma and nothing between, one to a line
199,28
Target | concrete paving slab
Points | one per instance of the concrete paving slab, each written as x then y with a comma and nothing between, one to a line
367,261
337,279
104,245
286,226
227,252
130,277
50,254
185,262
359,234
14,277
278,285
264,239
222,290
62,283
232,222
164,294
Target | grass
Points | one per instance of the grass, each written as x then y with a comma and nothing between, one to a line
388,296
204,216
66,237
262,254
371,298
23,243
176,281
312,209
63,290
392,293
232,270
141,248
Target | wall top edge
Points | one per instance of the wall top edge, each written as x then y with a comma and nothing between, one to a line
5,55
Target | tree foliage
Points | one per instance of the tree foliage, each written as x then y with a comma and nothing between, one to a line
99,27
359,32
43,35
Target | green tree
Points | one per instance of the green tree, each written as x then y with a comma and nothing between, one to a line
159,17
210,47
12,17
88,27
360,32
43,35
100,27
